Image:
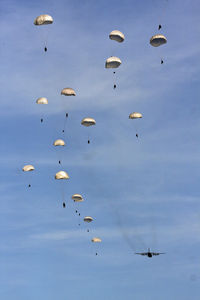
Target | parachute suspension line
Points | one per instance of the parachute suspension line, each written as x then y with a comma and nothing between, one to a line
136,129
64,125
63,191
114,80
88,138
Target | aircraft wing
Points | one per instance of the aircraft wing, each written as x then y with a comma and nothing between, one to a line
142,253
154,253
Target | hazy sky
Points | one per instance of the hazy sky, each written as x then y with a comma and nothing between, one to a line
141,192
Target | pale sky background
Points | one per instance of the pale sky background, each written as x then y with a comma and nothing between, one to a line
141,192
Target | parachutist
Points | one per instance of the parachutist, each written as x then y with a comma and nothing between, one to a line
63,130
161,61
45,49
88,141
159,27
59,162
66,115
79,214
29,185
136,135
96,253
113,72
114,87
41,120
79,224
64,205
76,211
88,230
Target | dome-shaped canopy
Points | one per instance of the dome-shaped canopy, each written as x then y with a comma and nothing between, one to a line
88,219
88,122
113,62
117,36
135,115
42,100
96,240
28,168
68,92
61,175
158,40
77,198
43,20
59,142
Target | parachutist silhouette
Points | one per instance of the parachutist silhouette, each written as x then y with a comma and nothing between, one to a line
88,230
64,205
63,130
76,211
59,162
159,27
66,115
88,141
29,185
136,135
96,254
41,120
45,49
113,72
114,87
79,214
161,61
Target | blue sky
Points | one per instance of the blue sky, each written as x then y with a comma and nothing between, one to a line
141,192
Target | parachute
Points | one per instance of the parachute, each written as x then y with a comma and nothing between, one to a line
77,198
88,219
28,168
117,36
61,175
43,20
158,40
88,122
112,62
68,92
42,100
135,115
59,143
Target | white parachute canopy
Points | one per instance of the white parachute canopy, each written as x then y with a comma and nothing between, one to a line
88,219
59,142
117,36
77,198
135,115
88,122
158,40
96,240
28,168
61,175
112,62
43,20
42,100
68,92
